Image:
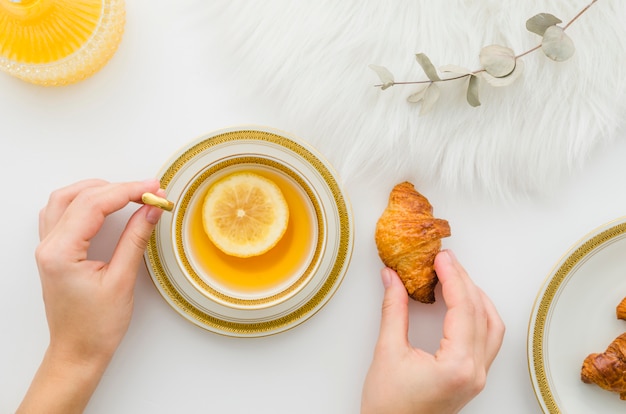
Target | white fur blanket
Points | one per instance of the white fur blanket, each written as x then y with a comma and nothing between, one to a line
309,60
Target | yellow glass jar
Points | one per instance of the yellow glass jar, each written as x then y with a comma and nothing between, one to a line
58,42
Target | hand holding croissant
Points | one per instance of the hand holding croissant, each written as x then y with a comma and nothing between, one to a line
405,379
408,238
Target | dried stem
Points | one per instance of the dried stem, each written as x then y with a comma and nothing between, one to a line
428,81
528,51
580,13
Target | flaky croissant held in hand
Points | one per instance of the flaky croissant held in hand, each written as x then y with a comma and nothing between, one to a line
408,238
608,369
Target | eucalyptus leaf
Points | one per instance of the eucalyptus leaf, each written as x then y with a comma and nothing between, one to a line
386,77
506,80
540,22
472,91
498,61
431,95
428,67
418,95
557,45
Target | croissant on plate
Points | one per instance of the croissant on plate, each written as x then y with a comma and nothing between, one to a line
408,238
608,369
620,310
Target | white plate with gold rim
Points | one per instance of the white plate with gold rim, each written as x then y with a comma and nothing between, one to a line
261,295
574,316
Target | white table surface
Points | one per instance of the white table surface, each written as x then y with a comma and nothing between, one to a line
162,90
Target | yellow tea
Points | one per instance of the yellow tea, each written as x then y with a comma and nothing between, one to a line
259,275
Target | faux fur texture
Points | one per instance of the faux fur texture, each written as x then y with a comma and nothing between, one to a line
310,59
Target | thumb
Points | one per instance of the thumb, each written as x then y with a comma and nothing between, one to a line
394,323
133,241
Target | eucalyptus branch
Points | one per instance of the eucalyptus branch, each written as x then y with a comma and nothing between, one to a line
500,65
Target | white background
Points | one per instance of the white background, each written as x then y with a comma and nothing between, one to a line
163,89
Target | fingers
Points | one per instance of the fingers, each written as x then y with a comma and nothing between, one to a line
394,324
472,326
84,215
59,201
460,327
133,241
495,331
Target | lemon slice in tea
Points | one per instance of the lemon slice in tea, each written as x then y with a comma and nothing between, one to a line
57,42
245,214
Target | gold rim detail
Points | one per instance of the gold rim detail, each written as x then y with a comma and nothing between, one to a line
342,256
543,309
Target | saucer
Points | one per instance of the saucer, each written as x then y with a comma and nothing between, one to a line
574,316
271,293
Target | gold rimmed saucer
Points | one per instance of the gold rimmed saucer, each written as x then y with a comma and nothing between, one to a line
275,291
574,316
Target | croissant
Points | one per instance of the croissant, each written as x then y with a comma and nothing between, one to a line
608,369
408,238
620,310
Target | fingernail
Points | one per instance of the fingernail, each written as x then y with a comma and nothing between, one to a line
386,277
449,255
152,181
153,214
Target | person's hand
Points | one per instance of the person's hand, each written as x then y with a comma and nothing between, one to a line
88,303
403,379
